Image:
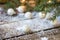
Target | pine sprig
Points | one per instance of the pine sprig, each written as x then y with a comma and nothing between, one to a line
12,4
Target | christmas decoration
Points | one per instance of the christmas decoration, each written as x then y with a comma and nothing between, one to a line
11,11
58,1
3,1
49,1
42,5
32,3
44,38
42,14
22,1
25,29
21,9
28,15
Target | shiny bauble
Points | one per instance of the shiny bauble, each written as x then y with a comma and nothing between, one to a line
28,15
32,3
25,29
3,1
11,11
44,38
21,9
58,1
42,15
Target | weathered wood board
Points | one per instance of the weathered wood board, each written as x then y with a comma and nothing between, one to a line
52,34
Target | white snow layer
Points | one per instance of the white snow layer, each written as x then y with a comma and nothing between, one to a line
35,24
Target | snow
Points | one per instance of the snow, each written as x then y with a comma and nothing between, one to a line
36,23
15,23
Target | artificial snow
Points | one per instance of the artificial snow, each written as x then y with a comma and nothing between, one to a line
14,24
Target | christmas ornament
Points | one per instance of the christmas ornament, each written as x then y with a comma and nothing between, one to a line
28,15
44,38
21,9
3,1
11,11
22,1
32,3
25,29
50,1
42,15
58,1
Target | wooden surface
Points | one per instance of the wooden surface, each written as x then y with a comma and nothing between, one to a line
52,34
8,32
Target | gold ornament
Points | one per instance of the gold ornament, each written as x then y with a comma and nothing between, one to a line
32,3
58,1
22,1
24,8
21,9
3,1
49,1
42,15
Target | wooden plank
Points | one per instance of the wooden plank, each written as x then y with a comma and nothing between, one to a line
53,34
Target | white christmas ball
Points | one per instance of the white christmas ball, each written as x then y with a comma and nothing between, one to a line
44,38
24,29
41,15
28,15
21,9
11,11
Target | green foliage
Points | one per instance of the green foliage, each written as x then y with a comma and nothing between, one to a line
12,4
39,7
43,4
57,12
